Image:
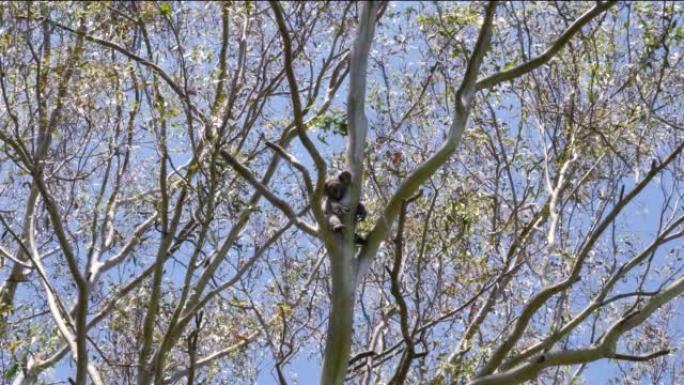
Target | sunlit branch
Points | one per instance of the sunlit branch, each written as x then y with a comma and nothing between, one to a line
542,59
319,162
464,99
295,163
167,78
605,348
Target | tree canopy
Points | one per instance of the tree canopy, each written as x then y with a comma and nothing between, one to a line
162,170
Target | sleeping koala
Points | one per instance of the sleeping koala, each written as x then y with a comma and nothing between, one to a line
337,203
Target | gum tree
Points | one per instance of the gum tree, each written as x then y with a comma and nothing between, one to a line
162,186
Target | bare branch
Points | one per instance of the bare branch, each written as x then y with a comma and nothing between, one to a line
410,185
167,78
299,117
536,302
605,348
542,59
294,162
265,191
208,359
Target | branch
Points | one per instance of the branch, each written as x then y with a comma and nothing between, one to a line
6,254
465,96
409,354
208,359
537,301
604,349
130,245
242,269
299,117
295,163
424,327
72,331
542,59
225,35
261,188
598,300
167,78
648,357
57,225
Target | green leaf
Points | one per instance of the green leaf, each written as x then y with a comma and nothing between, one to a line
9,373
509,65
165,9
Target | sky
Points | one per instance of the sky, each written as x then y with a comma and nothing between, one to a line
305,370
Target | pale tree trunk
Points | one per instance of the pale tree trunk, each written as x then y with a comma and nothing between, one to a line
343,261
348,266
340,321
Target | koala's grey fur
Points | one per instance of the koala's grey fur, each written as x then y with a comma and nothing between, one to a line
337,202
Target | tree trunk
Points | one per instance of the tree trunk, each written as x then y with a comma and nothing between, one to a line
340,324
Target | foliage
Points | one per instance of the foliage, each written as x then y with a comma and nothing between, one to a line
160,214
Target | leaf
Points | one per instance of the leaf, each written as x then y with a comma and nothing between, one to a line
165,9
9,373
509,65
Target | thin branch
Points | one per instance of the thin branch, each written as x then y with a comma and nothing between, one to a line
605,348
167,78
299,116
6,254
542,59
465,97
265,191
410,353
208,359
295,163
648,357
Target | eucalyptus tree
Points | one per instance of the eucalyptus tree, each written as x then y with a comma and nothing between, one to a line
163,169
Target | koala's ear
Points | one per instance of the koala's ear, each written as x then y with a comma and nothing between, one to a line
345,177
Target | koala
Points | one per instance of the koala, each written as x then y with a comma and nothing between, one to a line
337,203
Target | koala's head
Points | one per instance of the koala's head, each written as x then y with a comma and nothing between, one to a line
336,187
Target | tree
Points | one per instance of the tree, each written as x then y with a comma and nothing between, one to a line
162,180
